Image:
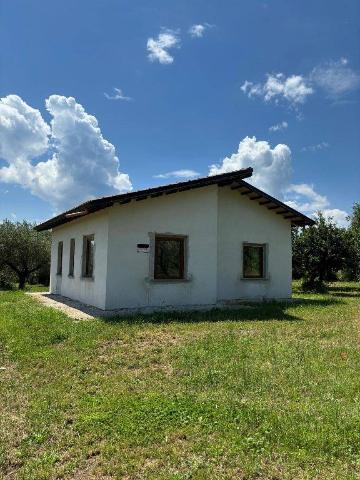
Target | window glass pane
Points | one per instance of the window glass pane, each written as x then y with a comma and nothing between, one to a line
253,259
169,258
72,255
88,255
59,259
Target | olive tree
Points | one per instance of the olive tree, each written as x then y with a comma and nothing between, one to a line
23,250
319,252
352,269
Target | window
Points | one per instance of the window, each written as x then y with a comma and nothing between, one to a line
71,257
59,258
253,261
88,256
169,257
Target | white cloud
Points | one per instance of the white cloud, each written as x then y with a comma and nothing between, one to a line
118,95
305,198
278,126
293,89
82,165
272,166
198,30
335,77
184,173
316,147
340,217
22,128
158,48
273,174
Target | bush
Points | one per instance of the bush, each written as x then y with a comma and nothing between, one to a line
7,278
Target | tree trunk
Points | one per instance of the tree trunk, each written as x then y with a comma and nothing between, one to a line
22,281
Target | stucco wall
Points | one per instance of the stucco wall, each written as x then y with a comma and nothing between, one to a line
192,213
216,222
242,220
89,291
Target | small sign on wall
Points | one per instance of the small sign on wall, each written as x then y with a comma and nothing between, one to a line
143,247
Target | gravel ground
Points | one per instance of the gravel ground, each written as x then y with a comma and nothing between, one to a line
80,311
72,308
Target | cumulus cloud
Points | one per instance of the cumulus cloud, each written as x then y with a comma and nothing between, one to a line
272,166
24,135
273,174
158,48
278,127
335,77
316,147
293,89
305,198
79,162
338,216
184,173
117,95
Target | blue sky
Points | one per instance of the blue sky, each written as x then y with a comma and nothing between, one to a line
186,104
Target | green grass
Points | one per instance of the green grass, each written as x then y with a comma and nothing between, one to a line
268,392
28,288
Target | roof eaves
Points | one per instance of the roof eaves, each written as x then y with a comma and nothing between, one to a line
92,206
272,203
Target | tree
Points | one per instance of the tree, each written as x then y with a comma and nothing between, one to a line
22,249
319,252
352,269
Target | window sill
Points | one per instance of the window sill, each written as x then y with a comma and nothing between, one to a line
169,281
87,279
252,279
59,274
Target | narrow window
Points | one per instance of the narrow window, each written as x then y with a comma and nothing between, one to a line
253,261
88,256
169,257
71,257
59,258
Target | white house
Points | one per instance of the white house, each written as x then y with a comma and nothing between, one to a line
204,242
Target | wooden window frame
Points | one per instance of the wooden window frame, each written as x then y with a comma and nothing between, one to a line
72,257
183,243
264,248
60,253
85,256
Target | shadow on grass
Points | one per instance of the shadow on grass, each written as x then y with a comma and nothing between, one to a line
346,294
241,312
248,312
339,289
333,290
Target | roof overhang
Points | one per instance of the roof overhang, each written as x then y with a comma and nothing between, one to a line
100,203
271,203
233,179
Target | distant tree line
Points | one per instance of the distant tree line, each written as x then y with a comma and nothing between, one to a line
326,252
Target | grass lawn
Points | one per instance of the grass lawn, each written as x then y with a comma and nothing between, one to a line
268,392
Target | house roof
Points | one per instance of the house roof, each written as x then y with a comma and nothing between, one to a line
234,179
